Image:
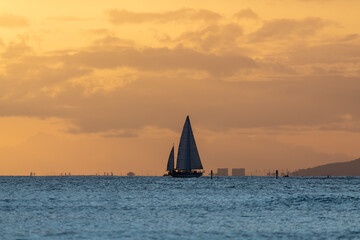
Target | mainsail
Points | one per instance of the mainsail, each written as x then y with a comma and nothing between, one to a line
188,156
170,164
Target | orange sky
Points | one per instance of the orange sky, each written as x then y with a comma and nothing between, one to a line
94,86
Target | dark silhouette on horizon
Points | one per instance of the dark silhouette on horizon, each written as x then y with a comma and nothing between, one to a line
350,168
188,160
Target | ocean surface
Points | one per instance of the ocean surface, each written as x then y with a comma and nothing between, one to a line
93,207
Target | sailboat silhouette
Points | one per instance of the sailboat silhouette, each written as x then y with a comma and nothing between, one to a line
188,159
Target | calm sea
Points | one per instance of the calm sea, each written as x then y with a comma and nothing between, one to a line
168,208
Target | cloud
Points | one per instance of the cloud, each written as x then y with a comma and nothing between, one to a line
16,49
105,80
69,19
246,14
112,89
346,124
101,68
111,41
163,101
34,76
161,59
283,29
99,31
350,37
326,53
322,1
214,37
12,21
124,134
185,14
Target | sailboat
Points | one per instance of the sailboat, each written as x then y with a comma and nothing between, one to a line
170,164
188,161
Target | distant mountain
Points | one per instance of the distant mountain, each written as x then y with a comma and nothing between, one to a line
351,168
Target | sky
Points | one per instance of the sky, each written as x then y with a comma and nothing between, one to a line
105,86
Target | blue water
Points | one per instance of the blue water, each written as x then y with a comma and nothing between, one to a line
168,208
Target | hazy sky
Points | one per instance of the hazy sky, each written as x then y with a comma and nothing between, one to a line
94,86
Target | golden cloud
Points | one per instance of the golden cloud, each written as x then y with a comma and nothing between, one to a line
12,21
185,14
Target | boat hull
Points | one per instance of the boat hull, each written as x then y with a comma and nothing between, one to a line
179,174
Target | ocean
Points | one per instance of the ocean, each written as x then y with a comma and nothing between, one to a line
112,207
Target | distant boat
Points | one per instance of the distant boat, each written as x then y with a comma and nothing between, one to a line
188,160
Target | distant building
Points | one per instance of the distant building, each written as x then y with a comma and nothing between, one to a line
238,172
222,172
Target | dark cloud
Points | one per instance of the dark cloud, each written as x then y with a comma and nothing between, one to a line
213,37
99,31
349,37
185,14
12,21
35,70
322,1
164,102
35,76
346,126
111,41
16,49
51,73
246,14
69,19
326,53
160,59
162,95
124,134
283,29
